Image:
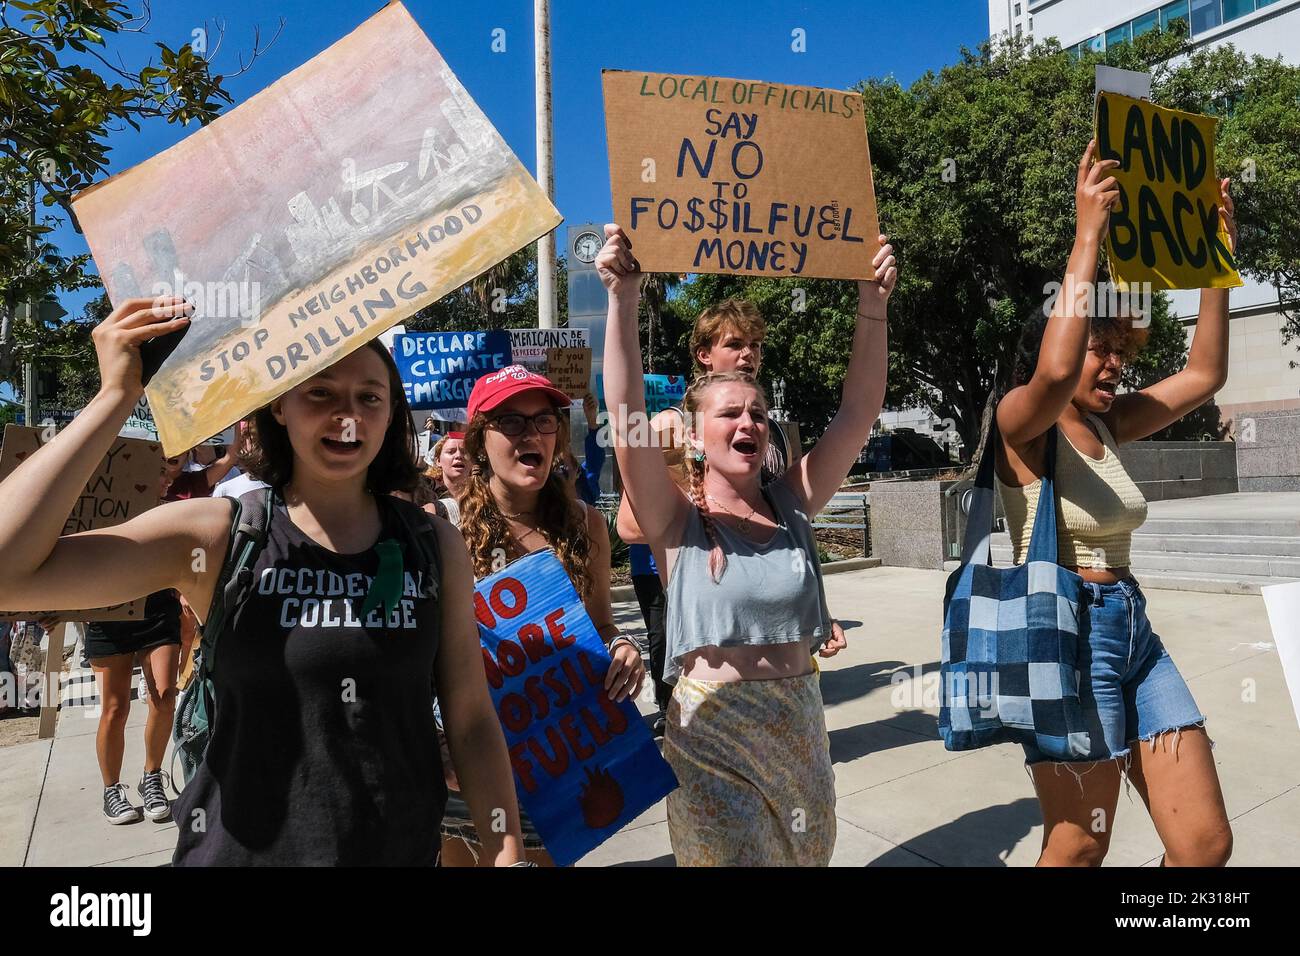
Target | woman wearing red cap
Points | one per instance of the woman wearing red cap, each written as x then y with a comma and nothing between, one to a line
323,747
746,729
517,501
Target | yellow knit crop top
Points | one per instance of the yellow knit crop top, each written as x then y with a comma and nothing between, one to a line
1097,507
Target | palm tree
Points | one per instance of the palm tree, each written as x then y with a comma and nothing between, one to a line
507,278
655,287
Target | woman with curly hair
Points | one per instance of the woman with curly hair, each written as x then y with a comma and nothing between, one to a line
1141,717
516,501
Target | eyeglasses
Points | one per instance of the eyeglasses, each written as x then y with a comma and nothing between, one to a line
513,425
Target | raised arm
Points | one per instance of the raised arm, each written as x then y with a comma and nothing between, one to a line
660,509
1029,410
158,549
1136,415
816,476
474,737
667,428
221,466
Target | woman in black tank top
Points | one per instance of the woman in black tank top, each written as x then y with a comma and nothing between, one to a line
323,747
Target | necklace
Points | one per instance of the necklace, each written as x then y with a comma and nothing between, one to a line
744,525
515,517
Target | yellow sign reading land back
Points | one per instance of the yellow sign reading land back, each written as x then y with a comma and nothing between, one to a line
1165,229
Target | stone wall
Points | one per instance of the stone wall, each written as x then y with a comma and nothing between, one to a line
1181,469
1268,451
907,523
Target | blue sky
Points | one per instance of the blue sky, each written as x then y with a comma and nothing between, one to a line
845,41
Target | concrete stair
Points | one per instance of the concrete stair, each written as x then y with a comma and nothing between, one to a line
1225,544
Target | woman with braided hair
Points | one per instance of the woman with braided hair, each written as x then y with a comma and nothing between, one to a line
746,729
517,500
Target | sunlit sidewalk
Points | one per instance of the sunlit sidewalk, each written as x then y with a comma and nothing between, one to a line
902,799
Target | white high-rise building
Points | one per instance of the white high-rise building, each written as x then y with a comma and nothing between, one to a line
1259,374
1010,17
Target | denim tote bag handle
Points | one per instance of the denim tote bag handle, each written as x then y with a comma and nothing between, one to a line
1042,540
979,523
979,520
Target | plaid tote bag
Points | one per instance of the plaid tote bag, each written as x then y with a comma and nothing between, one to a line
1011,636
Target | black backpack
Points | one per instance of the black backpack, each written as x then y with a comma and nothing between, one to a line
196,709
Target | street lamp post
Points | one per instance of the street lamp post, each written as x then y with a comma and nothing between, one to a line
29,369
546,291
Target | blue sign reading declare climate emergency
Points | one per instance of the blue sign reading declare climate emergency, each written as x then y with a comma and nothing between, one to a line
440,368
584,766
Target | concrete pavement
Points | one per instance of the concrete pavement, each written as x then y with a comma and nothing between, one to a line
902,799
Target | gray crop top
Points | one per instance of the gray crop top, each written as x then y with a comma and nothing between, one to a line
768,594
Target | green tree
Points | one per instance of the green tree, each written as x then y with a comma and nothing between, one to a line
805,354
503,297
62,95
974,172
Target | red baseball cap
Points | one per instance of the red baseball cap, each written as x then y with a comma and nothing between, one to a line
491,390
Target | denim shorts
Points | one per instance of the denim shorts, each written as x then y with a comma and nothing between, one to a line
1128,685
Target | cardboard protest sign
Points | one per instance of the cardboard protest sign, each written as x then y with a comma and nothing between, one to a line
440,368
749,178
528,347
124,485
569,370
354,191
584,766
1165,228
140,423
661,391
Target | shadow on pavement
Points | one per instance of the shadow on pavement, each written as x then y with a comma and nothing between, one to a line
849,683
979,838
850,743
667,860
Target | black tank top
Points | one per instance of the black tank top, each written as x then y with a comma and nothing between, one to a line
324,750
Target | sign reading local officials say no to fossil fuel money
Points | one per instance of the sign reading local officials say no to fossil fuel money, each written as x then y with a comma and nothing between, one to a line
352,192
720,175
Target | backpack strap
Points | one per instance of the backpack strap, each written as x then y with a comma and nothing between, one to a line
248,530
421,531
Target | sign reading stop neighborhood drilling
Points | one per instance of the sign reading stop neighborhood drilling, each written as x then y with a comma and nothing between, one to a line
734,176
124,484
1165,229
361,187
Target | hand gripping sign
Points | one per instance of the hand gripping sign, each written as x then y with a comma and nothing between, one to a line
351,193
584,766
